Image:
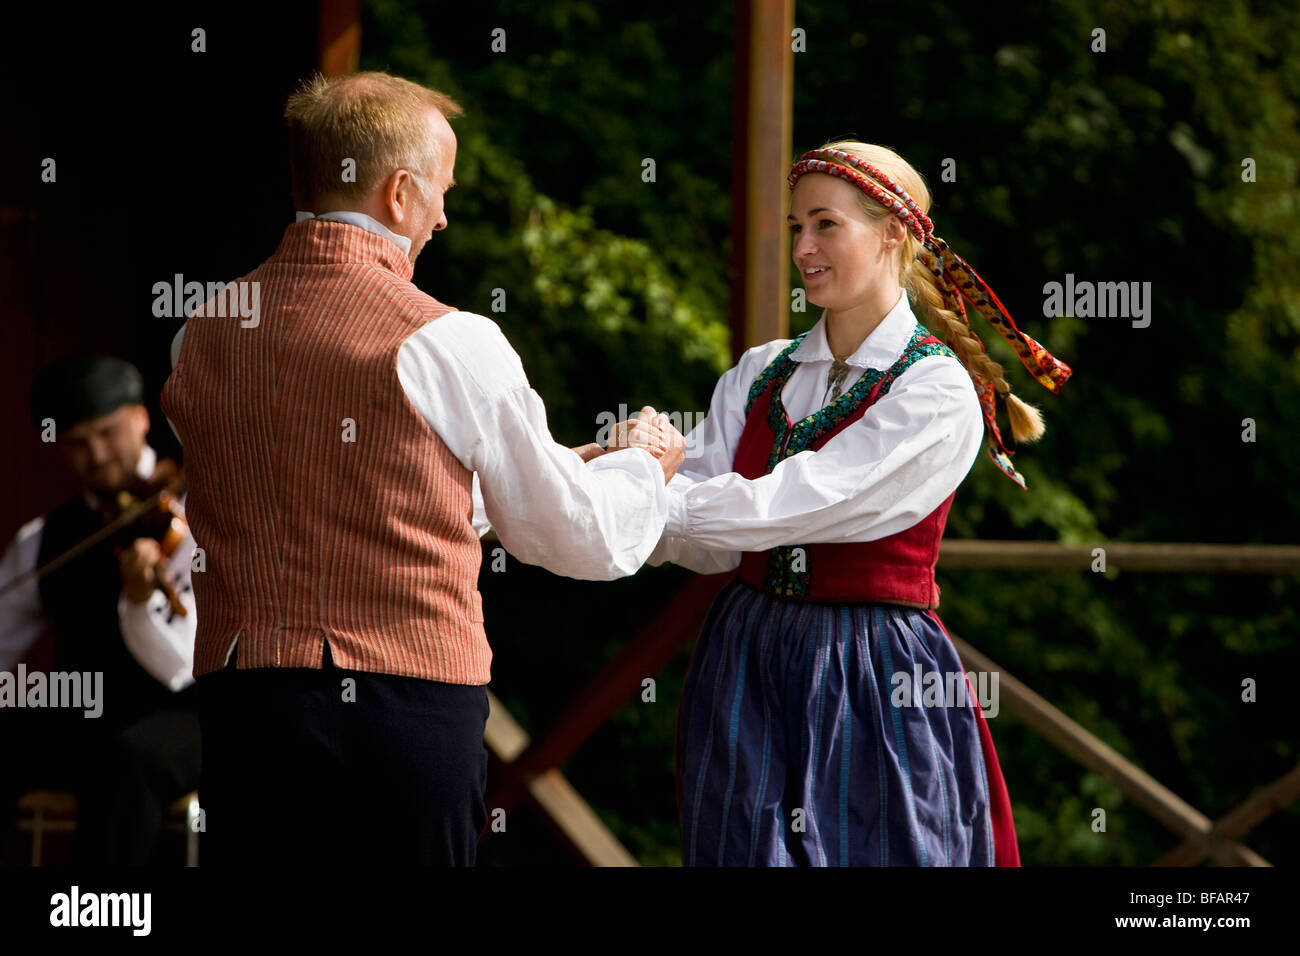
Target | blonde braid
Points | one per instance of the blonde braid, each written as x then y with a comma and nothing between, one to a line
924,292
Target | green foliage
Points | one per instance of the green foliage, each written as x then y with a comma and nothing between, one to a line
624,299
640,320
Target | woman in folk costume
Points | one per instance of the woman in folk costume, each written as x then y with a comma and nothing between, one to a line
825,470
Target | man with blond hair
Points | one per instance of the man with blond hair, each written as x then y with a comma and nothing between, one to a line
336,446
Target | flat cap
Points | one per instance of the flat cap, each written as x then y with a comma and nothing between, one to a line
79,387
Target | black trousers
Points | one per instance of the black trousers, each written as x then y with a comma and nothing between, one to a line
339,767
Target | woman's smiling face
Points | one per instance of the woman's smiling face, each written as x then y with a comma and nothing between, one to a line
837,247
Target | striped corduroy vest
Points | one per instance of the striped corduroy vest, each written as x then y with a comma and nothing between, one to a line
897,569
326,507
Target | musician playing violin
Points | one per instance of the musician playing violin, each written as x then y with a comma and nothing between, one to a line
122,607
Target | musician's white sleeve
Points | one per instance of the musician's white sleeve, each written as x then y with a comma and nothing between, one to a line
22,619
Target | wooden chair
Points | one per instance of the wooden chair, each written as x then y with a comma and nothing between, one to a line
55,811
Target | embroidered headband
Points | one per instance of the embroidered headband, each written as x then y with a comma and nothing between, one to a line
955,279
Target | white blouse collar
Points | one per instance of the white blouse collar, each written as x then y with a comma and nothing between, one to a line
879,350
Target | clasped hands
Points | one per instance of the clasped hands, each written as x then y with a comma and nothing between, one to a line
646,429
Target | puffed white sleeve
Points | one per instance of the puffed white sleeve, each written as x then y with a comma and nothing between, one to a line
879,476
21,616
593,521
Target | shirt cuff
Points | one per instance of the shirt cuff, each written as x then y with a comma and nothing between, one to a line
676,524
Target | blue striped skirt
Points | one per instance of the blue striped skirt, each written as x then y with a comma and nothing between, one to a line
798,745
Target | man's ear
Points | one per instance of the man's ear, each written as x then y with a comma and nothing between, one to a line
399,193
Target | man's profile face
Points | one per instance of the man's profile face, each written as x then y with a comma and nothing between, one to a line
105,451
430,214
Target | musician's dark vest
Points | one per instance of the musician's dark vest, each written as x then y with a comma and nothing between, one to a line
80,599
897,569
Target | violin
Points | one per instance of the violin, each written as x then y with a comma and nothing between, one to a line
159,516
146,508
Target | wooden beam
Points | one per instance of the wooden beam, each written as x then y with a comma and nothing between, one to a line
1282,792
580,825
1147,793
1189,558
564,807
761,133
338,37
502,734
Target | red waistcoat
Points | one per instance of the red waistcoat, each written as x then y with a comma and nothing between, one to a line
897,569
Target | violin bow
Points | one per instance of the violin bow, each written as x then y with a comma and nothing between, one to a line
128,516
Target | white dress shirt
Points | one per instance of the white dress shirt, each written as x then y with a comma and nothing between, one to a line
879,476
593,521
162,642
